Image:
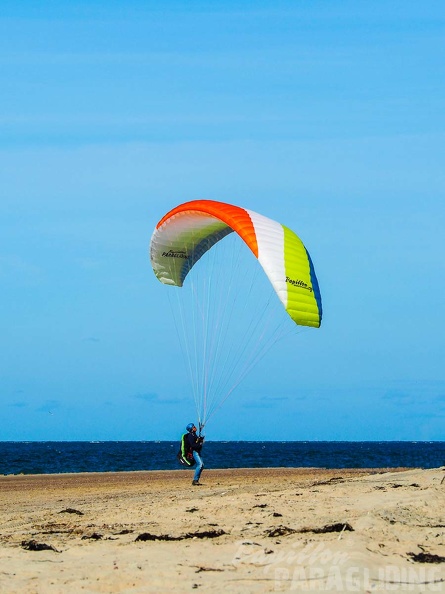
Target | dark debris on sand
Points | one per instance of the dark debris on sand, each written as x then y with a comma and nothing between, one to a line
198,534
285,530
70,510
33,545
94,536
426,558
331,481
337,527
280,531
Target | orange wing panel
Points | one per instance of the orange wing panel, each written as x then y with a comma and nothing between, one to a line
235,217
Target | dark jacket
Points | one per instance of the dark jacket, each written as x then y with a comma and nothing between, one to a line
193,442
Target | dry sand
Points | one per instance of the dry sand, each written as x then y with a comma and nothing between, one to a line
245,530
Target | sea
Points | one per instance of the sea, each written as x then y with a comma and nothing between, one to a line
49,457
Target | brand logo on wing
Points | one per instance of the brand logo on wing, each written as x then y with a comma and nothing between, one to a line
298,283
175,254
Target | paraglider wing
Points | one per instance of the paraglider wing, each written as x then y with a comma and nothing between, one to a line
185,233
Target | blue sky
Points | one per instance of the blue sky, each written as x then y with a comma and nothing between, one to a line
325,116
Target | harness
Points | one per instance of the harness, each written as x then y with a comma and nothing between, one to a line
185,454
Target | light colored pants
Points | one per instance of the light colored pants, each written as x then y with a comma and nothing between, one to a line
199,465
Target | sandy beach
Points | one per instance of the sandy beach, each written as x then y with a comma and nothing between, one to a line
244,530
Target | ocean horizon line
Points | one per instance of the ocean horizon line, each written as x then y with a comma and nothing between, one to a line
224,440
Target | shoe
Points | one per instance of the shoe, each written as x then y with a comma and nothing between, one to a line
196,484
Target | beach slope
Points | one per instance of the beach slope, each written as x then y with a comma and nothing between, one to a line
244,530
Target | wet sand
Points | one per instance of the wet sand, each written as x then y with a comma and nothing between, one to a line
244,530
